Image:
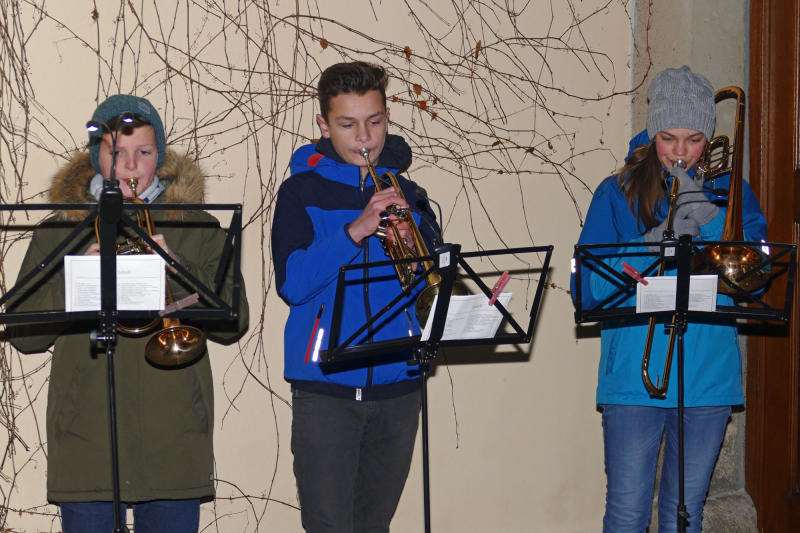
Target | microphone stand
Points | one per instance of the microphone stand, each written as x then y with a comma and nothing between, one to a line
681,322
109,212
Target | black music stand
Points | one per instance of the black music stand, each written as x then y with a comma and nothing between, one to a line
593,256
445,260
110,213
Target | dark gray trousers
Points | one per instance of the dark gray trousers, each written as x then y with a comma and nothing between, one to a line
351,459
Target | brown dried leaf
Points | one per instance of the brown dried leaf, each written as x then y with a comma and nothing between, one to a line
434,115
395,98
407,50
477,49
95,14
496,143
422,104
417,89
323,42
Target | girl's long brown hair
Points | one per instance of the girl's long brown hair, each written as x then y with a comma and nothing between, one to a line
642,184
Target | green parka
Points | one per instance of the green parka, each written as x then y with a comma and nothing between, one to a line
165,418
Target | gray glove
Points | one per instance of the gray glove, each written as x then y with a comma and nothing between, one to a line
680,226
692,201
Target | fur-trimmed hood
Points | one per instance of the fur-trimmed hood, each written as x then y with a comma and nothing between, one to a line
181,177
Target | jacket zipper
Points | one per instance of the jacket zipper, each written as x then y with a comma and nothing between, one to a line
367,307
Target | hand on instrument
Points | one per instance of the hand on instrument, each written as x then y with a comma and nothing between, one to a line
405,234
680,226
692,201
369,219
93,249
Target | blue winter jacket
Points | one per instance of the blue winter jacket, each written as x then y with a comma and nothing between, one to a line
713,370
309,244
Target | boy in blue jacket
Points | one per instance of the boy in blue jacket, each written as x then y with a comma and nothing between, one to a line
353,428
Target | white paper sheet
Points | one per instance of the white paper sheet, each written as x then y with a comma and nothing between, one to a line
469,317
140,282
659,293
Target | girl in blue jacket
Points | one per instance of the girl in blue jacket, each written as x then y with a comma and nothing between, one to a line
631,207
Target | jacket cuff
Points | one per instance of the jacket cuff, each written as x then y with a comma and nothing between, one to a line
349,238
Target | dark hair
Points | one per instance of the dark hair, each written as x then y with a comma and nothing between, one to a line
642,184
357,77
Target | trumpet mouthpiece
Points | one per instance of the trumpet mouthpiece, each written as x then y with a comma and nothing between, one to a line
679,163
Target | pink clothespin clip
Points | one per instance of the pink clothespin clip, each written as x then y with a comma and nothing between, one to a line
632,272
499,286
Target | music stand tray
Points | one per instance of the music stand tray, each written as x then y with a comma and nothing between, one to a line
109,211
445,259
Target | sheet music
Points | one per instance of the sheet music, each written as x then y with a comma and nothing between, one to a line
659,293
469,317
140,282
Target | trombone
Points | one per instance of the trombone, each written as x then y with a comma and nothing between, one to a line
736,262
659,390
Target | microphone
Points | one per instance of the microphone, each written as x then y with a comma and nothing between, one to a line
422,205
95,126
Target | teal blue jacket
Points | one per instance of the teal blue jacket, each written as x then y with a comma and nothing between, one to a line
713,370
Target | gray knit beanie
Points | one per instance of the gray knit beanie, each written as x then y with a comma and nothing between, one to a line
680,99
116,105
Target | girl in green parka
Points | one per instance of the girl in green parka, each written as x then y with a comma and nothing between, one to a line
165,418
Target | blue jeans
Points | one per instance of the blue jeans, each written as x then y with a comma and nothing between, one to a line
632,436
157,516
351,459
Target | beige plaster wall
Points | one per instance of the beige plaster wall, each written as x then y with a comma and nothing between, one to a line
709,37
515,439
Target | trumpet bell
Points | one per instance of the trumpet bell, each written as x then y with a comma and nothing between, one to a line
425,299
175,345
738,263
424,303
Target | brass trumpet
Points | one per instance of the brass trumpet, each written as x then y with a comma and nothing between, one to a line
175,344
399,249
133,246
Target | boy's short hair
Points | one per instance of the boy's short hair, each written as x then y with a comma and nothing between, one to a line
356,77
